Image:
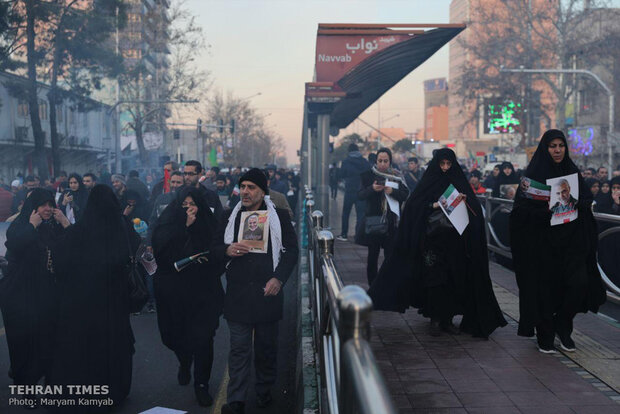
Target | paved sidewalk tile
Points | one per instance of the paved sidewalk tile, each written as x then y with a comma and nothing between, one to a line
460,374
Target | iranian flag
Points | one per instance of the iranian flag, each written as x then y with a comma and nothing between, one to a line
534,190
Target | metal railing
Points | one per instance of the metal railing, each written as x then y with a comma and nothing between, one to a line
494,205
350,378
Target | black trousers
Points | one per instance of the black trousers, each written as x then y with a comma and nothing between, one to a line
374,248
567,303
334,190
265,336
203,362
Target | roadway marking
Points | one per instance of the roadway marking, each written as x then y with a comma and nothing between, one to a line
220,398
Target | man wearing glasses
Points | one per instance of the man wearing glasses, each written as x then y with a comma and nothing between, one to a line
191,174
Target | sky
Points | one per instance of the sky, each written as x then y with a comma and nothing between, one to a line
268,47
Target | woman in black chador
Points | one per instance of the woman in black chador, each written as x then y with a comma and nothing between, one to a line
555,266
507,176
435,269
189,302
28,291
94,343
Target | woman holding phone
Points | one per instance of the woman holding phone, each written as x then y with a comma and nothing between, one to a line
384,191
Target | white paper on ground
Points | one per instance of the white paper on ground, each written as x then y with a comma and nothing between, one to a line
162,410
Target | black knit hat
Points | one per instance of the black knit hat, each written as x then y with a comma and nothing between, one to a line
257,177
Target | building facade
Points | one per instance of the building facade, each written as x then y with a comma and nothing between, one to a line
86,136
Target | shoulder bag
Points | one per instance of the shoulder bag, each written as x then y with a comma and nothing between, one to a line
437,222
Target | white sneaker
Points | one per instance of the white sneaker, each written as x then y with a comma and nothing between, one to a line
341,238
547,350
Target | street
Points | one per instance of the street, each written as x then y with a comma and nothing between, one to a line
155,368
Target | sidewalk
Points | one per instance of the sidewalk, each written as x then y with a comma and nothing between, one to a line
506,374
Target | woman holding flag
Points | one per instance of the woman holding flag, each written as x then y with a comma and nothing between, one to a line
555,265
440,264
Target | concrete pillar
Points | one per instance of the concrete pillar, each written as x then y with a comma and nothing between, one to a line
322,184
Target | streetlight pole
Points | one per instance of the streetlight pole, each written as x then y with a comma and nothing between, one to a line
608,91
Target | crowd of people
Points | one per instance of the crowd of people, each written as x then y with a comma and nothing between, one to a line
443,271
73,242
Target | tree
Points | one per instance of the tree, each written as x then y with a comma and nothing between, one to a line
252,143
59,40
181,36
534,34
402,145
81,55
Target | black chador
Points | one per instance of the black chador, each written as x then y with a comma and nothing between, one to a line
555,266
28,291
435,269
94,343
189,302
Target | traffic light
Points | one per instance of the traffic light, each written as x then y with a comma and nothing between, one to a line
232,126
176,134
199,125
221,126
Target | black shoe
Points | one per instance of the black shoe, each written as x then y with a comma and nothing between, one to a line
434,329
263,401
566,343
235,407
184,375
203,396
449,328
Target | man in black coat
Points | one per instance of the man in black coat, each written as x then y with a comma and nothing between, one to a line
254,301
350,171
191,174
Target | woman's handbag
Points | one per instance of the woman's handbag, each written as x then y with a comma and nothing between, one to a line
437,222
376,225
138,293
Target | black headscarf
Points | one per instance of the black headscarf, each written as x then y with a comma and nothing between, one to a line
604,202
170,226
102,228
36,199
79,196
432,184
542,166
48,229
399,285
503,179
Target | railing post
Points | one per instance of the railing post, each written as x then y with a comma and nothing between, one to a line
317,219
326,241
355,309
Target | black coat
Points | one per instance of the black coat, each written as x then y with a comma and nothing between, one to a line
376,204
350,171
547,257
28,292
402,280
190,302
94,342
247,275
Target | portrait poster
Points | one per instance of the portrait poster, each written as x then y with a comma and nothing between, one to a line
254,230
563,199
534,190
456,211
508,191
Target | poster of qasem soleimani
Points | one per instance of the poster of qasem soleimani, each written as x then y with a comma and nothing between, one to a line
564,197
254,230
